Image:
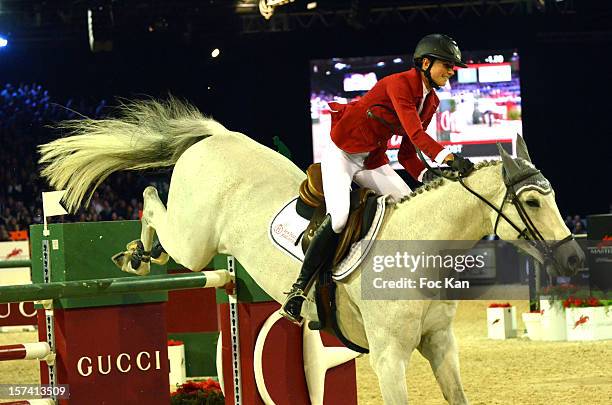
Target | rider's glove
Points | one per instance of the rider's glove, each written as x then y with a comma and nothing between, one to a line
462,165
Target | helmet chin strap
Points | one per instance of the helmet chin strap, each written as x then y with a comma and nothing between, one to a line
427,73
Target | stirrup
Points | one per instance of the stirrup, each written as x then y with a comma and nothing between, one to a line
294,294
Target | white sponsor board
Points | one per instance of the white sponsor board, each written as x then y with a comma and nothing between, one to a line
14,315
19,250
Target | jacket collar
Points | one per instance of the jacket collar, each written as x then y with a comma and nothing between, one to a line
416,85
415,82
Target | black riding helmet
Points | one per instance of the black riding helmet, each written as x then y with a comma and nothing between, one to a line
437,46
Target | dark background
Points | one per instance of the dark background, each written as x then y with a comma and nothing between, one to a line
260,83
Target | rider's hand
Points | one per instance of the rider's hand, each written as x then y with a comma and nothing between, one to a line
462,165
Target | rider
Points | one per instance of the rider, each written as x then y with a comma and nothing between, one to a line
405,102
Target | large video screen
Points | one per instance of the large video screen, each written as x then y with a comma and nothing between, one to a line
479,107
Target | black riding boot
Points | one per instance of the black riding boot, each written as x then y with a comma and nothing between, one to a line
320,254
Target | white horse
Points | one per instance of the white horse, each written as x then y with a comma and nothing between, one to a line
226,188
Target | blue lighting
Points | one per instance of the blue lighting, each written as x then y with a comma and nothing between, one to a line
3,42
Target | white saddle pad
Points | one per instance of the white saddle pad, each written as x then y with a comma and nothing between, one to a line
287,229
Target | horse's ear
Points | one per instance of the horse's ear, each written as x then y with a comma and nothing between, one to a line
510,165
521,148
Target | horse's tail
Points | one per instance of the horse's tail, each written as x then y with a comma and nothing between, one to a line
147,134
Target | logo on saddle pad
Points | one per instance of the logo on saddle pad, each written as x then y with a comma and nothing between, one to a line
287,228
283,231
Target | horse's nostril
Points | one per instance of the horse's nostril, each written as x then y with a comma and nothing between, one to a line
573,260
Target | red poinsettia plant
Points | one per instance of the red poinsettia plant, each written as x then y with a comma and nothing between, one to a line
557,294
499,305
207,392
560,290
575,302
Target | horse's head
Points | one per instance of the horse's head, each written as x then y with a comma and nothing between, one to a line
531,213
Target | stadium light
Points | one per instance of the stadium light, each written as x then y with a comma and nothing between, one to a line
340,65
266,7
100,23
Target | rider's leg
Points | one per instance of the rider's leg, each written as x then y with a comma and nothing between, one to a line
337,170
318,256
383,180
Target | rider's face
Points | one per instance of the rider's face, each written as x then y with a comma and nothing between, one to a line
441,71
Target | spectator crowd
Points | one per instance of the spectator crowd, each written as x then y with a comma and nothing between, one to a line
27,113
576,224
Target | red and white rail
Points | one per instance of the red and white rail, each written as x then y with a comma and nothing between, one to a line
25,351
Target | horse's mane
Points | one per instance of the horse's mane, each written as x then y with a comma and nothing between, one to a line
440,182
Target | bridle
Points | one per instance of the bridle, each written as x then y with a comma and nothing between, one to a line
529,233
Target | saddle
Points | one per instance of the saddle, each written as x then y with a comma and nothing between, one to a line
311,205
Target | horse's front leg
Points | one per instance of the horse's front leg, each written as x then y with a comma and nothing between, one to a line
393,332
440,348
390,363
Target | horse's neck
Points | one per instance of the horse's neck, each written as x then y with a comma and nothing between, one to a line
449,212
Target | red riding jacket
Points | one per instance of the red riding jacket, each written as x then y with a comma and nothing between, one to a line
353,132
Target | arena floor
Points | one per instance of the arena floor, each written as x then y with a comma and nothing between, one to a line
515,371
511,372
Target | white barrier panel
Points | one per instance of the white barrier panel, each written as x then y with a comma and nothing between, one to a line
16,317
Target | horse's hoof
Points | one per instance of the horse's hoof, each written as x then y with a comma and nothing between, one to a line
123,260
120,259
132,246
158,254
142,270
135,261
161,260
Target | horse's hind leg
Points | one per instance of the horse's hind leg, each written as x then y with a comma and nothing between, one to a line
138,255
440,348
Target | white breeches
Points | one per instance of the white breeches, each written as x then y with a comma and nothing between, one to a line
339,169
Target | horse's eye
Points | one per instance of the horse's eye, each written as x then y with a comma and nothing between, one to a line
533,203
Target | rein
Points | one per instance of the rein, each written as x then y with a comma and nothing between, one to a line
529,233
